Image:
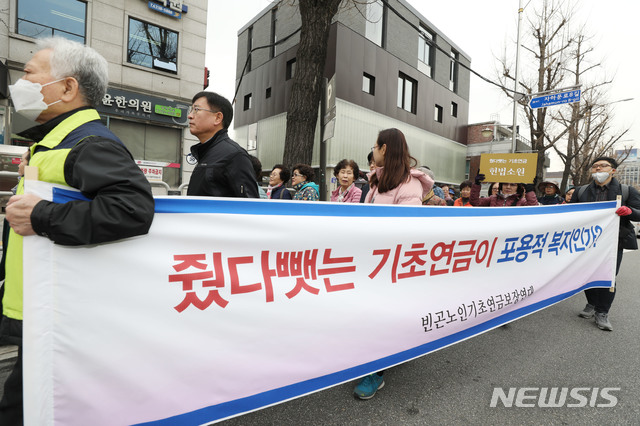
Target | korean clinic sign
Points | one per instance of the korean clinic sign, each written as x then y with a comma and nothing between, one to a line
214,311
516,168
124,103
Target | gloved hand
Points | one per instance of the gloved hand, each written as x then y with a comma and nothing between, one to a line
623,211
479,178
531,186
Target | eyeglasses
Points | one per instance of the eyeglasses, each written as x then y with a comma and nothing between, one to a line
600,166
296,174
194,109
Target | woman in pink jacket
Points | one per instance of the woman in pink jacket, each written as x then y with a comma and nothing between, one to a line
394,181
346,171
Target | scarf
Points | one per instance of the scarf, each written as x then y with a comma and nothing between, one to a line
344,193
271,188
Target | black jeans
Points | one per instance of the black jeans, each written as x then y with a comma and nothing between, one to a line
602,298
11,404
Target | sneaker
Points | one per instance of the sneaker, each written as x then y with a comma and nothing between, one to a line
602,321
368,386
588,311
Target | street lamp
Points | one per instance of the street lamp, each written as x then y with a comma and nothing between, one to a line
486,132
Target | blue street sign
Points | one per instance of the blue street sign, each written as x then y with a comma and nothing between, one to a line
555,99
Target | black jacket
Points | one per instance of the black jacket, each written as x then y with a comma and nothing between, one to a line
224,169
102,168
280,193
627,237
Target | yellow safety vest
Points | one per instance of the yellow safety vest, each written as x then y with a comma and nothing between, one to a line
50,165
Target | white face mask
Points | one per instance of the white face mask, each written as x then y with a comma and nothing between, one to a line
600,177
28,99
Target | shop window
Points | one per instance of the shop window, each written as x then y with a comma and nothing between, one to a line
151,143
47,18
152,46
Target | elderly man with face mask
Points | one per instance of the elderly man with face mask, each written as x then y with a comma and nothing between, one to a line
61,85
605,187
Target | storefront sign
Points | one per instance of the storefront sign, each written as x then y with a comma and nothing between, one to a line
128,104
152,173
173,8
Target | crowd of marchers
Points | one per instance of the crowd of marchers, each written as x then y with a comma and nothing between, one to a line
63,83
225,169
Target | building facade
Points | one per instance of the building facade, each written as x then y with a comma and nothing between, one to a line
387,73
156,52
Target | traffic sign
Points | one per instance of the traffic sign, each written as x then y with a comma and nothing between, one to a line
555,99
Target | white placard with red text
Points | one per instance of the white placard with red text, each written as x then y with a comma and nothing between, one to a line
230,305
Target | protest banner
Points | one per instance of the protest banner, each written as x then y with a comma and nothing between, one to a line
514,168
228,305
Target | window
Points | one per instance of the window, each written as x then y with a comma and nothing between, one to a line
274,37
453,72
407,93
291,68
437,113
46,18
374,27
454,109
368,84
267,93
247,102
425,51
152,46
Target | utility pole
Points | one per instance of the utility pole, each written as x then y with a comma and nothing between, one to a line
515,89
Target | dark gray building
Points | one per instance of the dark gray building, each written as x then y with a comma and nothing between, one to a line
386,75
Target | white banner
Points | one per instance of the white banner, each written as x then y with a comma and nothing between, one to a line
228,305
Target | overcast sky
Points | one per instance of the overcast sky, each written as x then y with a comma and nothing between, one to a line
481,29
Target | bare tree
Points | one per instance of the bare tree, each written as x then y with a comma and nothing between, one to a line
578,132
306,90
588,127
547,43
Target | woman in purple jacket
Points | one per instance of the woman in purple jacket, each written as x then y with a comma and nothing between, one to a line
346,171
509,194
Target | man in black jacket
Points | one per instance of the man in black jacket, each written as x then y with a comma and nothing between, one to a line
224,168
63,82
606,188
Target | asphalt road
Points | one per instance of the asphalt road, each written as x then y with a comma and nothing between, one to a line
551,348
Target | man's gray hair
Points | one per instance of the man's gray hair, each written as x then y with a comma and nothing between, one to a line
73,59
